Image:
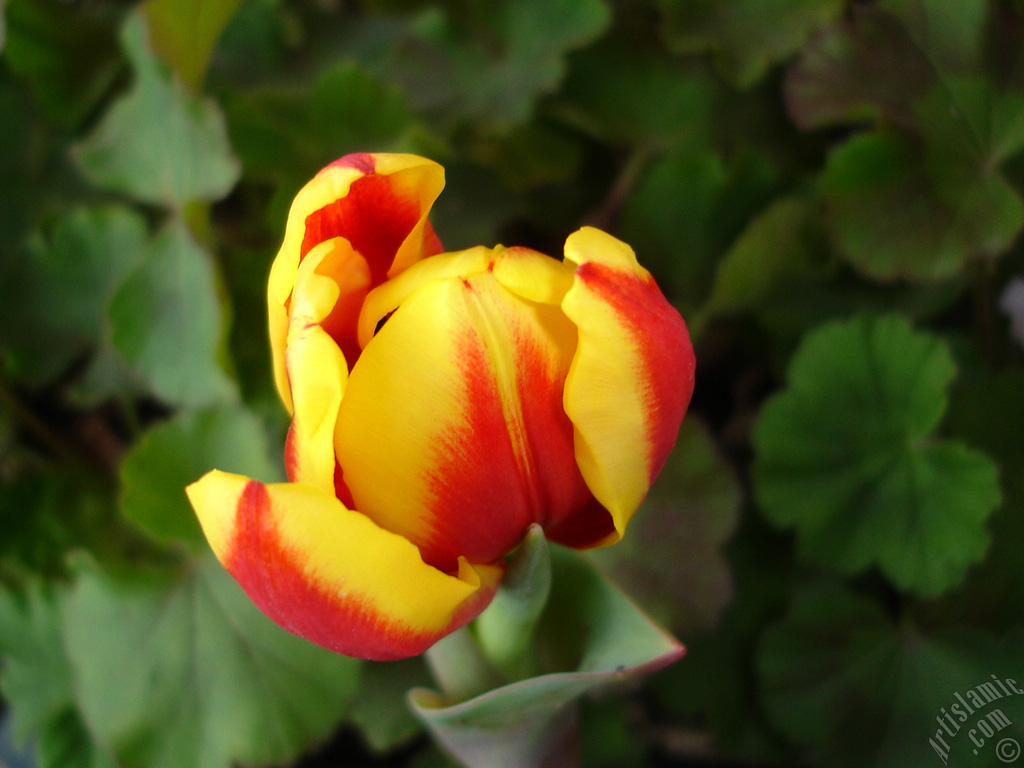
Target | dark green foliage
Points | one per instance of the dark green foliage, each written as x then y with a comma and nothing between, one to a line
829,190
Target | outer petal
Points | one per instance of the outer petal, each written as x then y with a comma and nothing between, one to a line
452,431
632,376
379,203
331,575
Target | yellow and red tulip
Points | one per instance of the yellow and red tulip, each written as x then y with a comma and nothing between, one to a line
441,404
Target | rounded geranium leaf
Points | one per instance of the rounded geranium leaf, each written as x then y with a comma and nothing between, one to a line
845,455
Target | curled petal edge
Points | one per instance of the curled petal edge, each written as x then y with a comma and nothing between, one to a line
631,377
331,575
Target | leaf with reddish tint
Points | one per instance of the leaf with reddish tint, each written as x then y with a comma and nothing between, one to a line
591,635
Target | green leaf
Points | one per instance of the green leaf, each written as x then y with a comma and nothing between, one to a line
492,62
649,101
47,512
380,708
872,693
67,54
189,672
184,34
286,134
506,628
671,559
746,36
66,280
166,320
890,221
710,205
775,248
178,452
590,628
157,143
38,685
845,454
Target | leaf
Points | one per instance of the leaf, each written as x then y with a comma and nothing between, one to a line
37,682
775,248
671,558
877,64
845,455
287,134
66,279
627,96
505,629
380,708
985,411
864,69
67,54
156,143
710,205
890,221
178,452
184,34
589,627
492,62
189,672
746,36
167,321
45,513
872,693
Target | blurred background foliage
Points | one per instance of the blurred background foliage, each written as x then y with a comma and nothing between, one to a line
829,190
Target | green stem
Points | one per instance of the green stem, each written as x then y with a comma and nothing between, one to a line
621,189
459,667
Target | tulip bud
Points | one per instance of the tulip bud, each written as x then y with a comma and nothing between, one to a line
441,405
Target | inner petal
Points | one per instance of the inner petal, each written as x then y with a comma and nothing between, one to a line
452,431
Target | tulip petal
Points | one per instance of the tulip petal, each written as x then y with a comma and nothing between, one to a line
632,375
331,575
469,444
379,203
315,365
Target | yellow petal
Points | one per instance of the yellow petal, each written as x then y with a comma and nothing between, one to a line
315,366
632,375
452,431
379,203
331,575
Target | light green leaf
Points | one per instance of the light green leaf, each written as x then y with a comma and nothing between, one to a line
37,682
157,143
65,281
746,36
188,672
776,247
506,628
178,452
873,693
590,628
184,34
845,454
671,559
167,321
890,221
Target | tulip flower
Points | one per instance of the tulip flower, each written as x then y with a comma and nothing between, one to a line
441,404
